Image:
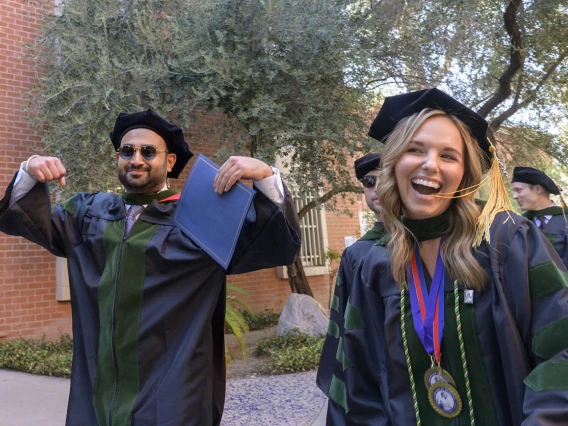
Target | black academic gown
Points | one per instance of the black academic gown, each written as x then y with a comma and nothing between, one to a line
555,230
148,309
350,260
515,337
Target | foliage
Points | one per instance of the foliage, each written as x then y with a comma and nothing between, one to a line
88,62
280,70
235,321
297,75
295,78
332,255
515,70
264,319
292,352
276,68
54,358
38,356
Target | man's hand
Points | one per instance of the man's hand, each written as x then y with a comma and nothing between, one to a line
236,168
46,169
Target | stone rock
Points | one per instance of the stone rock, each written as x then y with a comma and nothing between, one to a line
304,313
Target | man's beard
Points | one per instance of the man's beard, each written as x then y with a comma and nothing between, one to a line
148,181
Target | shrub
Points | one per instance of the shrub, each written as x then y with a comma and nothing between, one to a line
292,352
38,356
264,319
235,322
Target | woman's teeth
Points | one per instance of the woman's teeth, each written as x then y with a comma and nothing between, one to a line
425,187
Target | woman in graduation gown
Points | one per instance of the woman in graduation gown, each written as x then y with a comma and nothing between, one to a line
459,317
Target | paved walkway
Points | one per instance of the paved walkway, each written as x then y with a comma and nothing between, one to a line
291,399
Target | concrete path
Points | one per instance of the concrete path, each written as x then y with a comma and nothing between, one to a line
291,399
30,400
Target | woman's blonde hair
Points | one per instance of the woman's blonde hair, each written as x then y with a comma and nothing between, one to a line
456,248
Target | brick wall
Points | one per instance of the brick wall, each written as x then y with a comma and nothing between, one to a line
27,273
28,305
339,226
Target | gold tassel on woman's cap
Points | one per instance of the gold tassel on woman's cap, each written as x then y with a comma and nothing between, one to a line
498,201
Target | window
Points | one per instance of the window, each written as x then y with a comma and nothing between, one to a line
62,292
313,230
313,237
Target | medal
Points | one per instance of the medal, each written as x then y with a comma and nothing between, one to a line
428,315
445,400
437,374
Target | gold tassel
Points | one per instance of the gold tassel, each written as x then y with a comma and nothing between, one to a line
464,192
498,201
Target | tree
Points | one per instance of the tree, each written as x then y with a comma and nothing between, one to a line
93,60
506,58
295,78
277,68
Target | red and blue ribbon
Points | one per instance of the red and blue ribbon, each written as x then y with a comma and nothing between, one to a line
427,306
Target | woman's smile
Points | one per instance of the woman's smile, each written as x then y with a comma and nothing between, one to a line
432,164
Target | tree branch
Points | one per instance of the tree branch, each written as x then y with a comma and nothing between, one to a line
515,62
448,56
501,118
327,196
402,78
444,68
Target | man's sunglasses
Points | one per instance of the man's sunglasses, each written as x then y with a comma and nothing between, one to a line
149,152
368,181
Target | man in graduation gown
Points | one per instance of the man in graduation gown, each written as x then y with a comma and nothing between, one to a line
147,303
532,189
367,170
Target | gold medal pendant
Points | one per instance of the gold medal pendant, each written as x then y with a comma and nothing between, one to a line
437,374
444,399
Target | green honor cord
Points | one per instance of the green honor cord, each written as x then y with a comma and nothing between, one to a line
407,353
462,352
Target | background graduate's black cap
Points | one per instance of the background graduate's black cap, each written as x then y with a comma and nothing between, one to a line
170,133
395,108
366,163
534,176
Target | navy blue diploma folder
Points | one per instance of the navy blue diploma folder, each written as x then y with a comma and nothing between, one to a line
212,221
